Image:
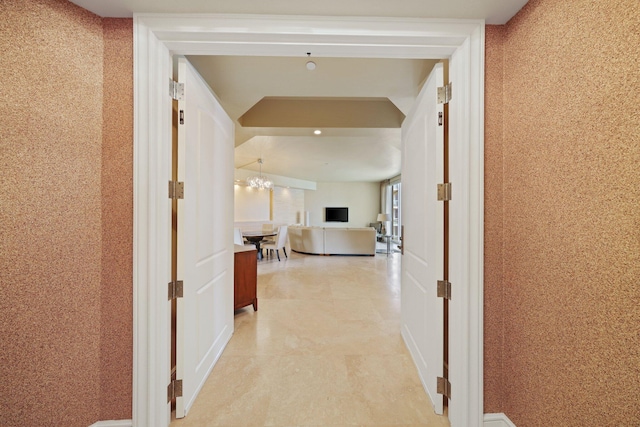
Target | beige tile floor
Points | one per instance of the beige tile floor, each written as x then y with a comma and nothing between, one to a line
323,349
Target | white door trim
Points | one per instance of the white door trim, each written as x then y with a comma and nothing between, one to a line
157,37
152,70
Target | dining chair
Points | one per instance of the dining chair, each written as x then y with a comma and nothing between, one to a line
237,237
267,227
280,243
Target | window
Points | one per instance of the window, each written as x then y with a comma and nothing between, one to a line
395,210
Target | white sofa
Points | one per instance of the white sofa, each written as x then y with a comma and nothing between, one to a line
333,240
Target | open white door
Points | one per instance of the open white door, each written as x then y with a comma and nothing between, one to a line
205,234
423,237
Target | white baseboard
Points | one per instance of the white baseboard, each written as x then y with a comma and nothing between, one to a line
490,420
113,423
497,420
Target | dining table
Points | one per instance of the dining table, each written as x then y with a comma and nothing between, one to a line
256,238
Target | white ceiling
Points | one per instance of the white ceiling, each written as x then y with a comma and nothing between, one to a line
492,11
339,154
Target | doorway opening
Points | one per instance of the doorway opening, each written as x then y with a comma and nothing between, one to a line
157,37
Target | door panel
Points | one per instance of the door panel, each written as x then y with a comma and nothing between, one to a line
205,240
422,217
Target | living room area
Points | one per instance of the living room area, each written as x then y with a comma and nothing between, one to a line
326,218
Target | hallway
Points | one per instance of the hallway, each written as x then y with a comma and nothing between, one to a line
323,349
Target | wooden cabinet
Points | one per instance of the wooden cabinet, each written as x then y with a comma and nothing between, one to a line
245,277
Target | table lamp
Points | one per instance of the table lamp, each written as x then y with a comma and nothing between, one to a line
383,218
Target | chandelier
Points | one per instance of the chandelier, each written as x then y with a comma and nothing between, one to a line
260,181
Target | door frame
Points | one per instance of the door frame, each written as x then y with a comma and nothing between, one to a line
158,36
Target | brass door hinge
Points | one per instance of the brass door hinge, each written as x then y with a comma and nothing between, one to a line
174,389
176,289
444,94
176,90
444,192
444,289
176,190
444,387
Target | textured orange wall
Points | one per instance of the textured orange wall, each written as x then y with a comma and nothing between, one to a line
116,341
571,215
66,215
50,219
493,231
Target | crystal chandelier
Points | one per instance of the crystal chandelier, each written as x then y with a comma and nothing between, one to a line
260,181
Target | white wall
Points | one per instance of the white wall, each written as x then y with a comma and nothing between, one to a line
251,204
280,206
362,199
288,206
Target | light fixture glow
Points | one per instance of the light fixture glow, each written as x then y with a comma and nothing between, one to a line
260,181
317,132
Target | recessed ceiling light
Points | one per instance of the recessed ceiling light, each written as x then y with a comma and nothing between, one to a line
317,132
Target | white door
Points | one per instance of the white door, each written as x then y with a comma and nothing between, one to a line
423,237
205,234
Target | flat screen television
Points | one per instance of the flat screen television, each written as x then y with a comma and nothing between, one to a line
336,214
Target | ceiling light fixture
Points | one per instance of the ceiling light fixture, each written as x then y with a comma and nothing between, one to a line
317,132
260,181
